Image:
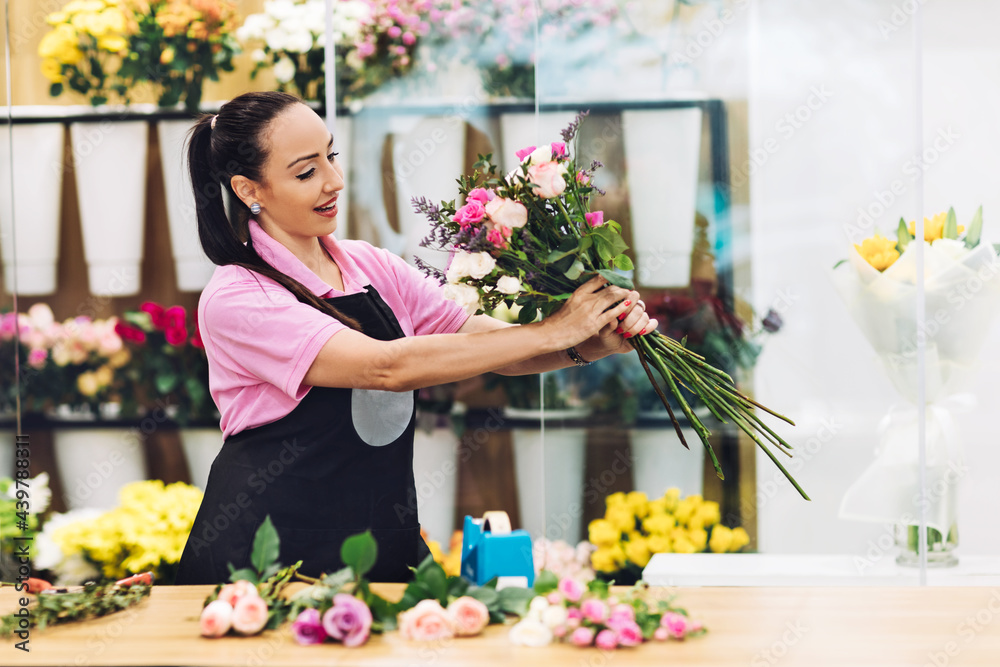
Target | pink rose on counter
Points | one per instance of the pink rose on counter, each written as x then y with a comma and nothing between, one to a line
470,214
308,628
571,589
469,616
582,637
427,621
606,639
628,633
595,611
621,612
548,177
661,634
507,213
249,615
595,219
676,624
232,593
349,620
216,619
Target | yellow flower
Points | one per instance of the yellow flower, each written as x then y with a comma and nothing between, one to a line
878,251
671,498
57,41
104,376
708,513
658,506
435,548
603,532
87,384
52,70
615,499
658,523
607,559
686,508
167,56
699,538
658,544
684,546
740,539
621,517
721,540
638,502
933,227
120,358
637,551
112,43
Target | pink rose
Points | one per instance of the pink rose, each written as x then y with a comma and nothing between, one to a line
307,628
426,621
606,640
582,637
621,612
555,597
216,619
470,214
394,31
594,610
36,358
469,616
481,195
349,620
507,213
628,633
595,219
676,624
524,152
249,615
571,588
409,38
582,177
661,634
548,179
574,613
234,592
498,237
558,149
174,317
560,631
365,49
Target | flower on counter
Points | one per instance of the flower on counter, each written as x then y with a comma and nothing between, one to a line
349,620
469,616
426,621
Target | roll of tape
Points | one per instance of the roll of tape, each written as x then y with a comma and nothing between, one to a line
497,523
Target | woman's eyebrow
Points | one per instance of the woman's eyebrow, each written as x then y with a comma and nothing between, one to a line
309,157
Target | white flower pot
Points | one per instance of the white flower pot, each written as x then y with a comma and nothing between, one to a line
435,472
659,460
31,199
663,151
550,473
110,164
522,129
428,154
193,268
95,463
201,446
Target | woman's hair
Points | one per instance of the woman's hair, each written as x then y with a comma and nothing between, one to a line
238,145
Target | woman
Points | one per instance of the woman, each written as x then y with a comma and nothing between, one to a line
315,346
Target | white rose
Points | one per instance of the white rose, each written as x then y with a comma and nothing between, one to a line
507,212
279,9
530,633
554,616
539,155
284,70
276,38
300,41
465,296
480,265
538,604
953,249
258,55
509,285
459,267
254,27
41,317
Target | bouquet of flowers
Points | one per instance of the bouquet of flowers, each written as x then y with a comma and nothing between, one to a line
961,296
85,50
147,532
529,238
177,44
634,528
563,559
170,365
376,41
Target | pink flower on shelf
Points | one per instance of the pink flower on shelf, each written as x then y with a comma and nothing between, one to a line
37,357
394,31
249,615
469,615
129,332
582,637
481,195
628,633
156,313
365,49
524,152
676,624
571,588
216,619
409,38
176,336
175,317
348,620
594,219
308,628
470,214
547,178
558,149
594,610
606,640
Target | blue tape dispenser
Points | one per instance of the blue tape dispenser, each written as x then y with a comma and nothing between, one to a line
491,549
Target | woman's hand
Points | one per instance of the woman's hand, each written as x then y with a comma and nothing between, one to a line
614,338
593,307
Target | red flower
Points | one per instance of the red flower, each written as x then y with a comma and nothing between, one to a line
156,313
129,332
196,340
176,335
175,318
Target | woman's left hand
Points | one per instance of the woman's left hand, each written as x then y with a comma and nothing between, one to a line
614,338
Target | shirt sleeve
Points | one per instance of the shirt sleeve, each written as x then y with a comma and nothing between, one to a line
263,331
429,310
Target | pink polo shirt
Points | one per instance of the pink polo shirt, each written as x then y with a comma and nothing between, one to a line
261,341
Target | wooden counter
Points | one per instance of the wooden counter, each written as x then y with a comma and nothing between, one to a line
881,627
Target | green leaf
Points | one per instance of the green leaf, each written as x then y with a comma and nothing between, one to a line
575,270
903,237
245,573
546,582
436,582
843,261
951,225
515,600
166,382
616,279
56,89
458,586
266,546
598,587
527,314
975,229
488,596
624,263
359,552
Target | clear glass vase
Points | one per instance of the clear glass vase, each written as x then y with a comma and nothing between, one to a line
940,548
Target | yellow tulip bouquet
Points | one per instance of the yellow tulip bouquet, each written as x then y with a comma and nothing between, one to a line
634,528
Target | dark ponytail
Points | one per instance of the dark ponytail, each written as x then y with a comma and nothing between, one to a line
236,146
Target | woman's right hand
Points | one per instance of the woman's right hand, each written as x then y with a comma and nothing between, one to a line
593,305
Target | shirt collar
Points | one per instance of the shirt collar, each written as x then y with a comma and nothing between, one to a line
282,259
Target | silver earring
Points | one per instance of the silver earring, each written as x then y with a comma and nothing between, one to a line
255,208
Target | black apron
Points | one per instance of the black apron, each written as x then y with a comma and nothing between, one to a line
340,463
